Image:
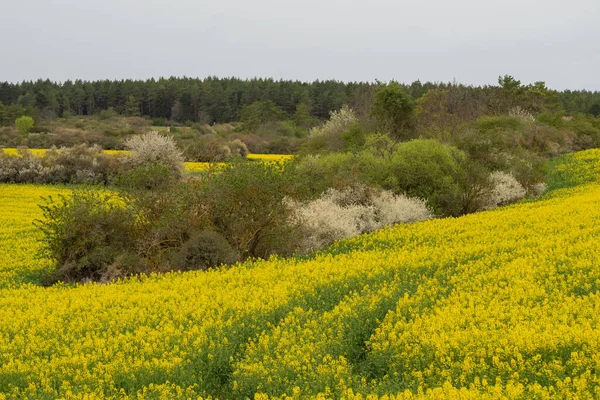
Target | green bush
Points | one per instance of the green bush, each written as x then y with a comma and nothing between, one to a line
208,148
490,123
85,234
146,177
315,174
245,202
203,250
24,124
425,169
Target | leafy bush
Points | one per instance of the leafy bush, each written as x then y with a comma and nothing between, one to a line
145,177
489,123
245,205
316,173
86,233
208,149
24,124
283,145
238,148
203,129
203,250
425,169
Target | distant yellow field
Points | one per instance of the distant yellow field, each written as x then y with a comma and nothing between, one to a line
190,166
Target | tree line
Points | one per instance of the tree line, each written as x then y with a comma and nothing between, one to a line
217,100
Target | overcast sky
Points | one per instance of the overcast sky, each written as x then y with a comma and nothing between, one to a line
472,41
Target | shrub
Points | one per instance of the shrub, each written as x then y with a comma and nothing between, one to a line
324,222
283,145
85,234
154,148
504,189
357,209
145,177
203,129
522,114
341,132
10,137
24,124
425,169
80,164
254,143
339,121
394,209
238,148
504,122
22,168
316,173
203,250
208,149
107,114
245,204
545,140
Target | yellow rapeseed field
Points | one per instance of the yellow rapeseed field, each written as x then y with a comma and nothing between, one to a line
499,304
189,166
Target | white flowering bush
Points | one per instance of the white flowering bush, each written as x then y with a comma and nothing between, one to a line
538,189
504,189
522,114
394,209
77,164
340,214
339,121
155,148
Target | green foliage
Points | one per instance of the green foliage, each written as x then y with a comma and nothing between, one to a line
489,123
132,107
509,83
203,250
208,148
283,145
152,176
315,174
587,133
246,206
425,169
24,124
260,112
419,168
393,108
85,234
354,138
303,118
554,119
107,114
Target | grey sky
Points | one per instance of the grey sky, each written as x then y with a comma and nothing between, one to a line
472,41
